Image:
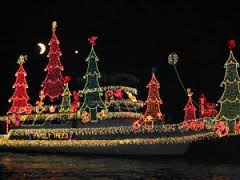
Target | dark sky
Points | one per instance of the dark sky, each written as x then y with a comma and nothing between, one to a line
133,36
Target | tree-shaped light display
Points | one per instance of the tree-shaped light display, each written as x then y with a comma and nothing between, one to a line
53,85
92,91
20,97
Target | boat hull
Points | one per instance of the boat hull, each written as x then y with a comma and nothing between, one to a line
76,147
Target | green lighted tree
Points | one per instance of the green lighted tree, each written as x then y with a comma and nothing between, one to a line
66,105
230,99
92,91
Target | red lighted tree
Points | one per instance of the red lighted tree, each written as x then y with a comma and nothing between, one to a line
153,101
20,97
190,109
53,85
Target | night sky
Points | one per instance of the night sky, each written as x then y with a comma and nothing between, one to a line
134,36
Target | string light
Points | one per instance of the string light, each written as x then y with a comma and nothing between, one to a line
190,109
76,145
174,131
66,105
72,116
53,83
153,100
206,109
126,89
92,91
20,97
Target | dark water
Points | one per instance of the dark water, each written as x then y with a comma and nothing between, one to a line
42,166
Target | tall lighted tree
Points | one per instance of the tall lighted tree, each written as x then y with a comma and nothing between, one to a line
230,99
190,109
53,85
20,97
66,105
92,91
153,101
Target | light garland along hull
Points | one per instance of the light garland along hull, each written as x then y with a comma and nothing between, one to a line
112,136
103,138
134,146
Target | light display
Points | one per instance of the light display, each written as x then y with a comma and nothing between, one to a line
238,127
230,99
40,108
221,129
76,103
71,146
137,104
153,101
52,109
85,117
118,93
206,109
153,104
148,123
194,125
190,109
131,96
92,91
66,105
171,129
73,116
125,88
20,97
53,84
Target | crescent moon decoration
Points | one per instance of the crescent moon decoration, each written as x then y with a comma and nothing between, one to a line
173,60
42,48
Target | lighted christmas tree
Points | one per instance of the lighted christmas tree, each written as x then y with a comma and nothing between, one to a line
53,85
230,99
190,109
153,101
92,91
20,97
66,105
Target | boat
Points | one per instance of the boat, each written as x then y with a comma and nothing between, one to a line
108,120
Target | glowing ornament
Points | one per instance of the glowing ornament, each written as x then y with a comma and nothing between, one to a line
52,109
131,96
172,58
92,40
101,114
40,107
148,123
221,129
118,93
85,117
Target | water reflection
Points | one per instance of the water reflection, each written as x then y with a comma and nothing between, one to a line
43,166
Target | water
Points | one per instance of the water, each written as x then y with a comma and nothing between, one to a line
43,166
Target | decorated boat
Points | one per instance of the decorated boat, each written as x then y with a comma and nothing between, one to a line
110,119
